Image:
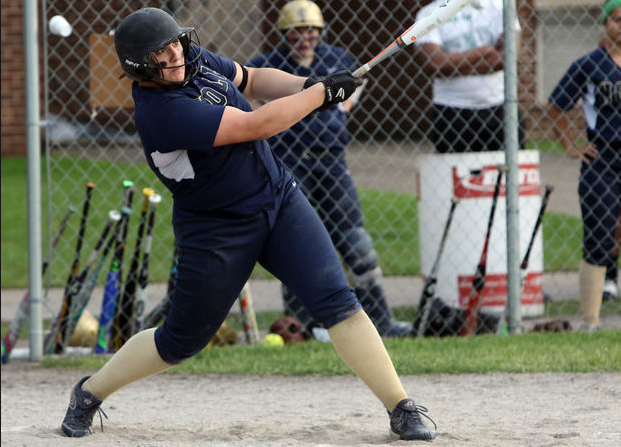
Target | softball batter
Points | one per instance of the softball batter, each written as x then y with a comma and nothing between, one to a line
234,205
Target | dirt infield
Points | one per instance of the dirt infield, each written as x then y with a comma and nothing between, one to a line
532,410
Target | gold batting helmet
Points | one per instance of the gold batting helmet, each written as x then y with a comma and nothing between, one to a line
300,13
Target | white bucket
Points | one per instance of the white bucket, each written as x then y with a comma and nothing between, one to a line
471,178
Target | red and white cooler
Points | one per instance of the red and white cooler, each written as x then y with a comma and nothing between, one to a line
471,177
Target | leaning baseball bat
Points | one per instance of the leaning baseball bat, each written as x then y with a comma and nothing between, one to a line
119,253
143,276
429,289
249,319
478,281
125,305
23,310
542,210
86,282
53,341
112,287
438,16
161,309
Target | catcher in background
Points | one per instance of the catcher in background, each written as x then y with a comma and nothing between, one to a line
234,205
314,151
596,79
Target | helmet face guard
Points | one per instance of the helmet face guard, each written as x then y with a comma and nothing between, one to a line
191,53
297,18
146,31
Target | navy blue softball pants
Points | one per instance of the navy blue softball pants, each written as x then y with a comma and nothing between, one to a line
599,189
218,253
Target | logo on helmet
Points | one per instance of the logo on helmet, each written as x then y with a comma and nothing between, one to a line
302,15
132,63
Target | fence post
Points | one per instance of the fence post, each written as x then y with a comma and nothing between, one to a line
511,160
33,145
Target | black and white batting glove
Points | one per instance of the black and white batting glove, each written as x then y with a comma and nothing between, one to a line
338,87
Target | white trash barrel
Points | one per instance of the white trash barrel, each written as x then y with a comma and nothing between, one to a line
471,177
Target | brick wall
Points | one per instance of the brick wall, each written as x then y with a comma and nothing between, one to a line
13,135
527,66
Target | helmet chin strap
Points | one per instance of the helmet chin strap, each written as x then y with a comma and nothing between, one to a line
191,59
171,84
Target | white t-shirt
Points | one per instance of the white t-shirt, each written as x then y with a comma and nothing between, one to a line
470,28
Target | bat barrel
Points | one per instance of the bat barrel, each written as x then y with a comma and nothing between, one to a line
439,15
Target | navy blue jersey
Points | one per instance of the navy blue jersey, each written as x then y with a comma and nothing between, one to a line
318,131
178,127
595,78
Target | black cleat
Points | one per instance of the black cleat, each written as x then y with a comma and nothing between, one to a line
406,422
82,408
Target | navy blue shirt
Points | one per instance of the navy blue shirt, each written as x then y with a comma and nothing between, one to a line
178,127
318,131
595,78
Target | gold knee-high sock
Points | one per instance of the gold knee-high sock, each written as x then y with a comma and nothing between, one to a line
592,279
137,359
361,348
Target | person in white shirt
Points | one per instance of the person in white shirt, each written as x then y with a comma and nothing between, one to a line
465,58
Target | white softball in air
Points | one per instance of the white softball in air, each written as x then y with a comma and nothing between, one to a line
59,26
479,4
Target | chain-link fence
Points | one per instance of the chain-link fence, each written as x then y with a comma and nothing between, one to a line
409,150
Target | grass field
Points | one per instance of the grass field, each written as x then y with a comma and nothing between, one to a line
391,219
530,352
533,352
